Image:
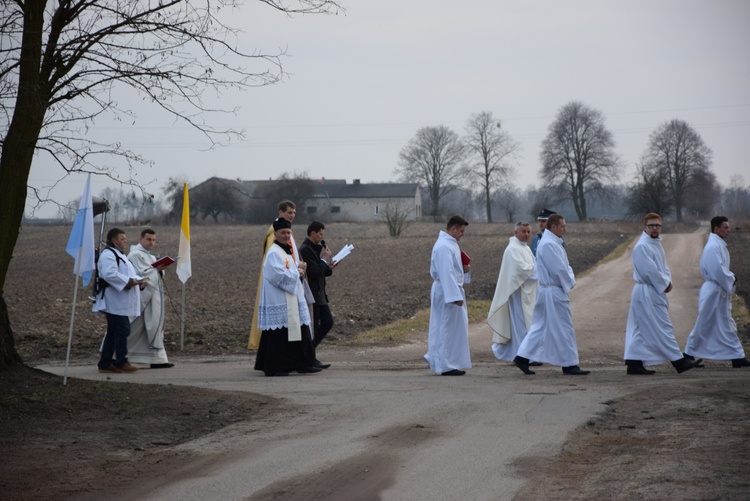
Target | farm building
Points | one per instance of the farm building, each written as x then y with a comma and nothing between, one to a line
328,200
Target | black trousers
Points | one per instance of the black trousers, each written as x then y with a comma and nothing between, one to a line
322,322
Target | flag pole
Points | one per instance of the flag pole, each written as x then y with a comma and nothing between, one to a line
182,321
72,316
183,255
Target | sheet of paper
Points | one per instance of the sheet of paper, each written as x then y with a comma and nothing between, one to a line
343,253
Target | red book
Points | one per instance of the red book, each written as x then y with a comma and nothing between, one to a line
465,259
166,261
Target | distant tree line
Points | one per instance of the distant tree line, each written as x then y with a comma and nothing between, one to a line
580,171
473,175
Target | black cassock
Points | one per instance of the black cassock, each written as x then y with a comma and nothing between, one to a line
277,354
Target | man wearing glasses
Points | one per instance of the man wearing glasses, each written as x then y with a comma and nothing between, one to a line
649,336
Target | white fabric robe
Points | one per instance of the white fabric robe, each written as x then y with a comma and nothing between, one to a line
116,299
448,339
512,306
146,340
715,333
281,288
551,338
649,335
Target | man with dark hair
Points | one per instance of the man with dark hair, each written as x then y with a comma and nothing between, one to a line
649,335
448,339
146,340
551,337
715,333
542,220
119,299
316,255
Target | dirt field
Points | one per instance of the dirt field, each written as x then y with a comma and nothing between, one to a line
77,436
384,279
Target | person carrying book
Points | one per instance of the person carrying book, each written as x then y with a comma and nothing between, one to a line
146,340
448,338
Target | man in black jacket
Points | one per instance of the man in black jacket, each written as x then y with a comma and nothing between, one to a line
315,253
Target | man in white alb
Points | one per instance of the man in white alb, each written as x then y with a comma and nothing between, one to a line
649,335
448,339
551,338
715,333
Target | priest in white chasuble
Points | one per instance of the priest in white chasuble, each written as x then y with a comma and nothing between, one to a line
515,294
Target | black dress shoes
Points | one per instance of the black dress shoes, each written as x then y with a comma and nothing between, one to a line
640,370
535,364
740,362
574,370
321,365
454,372
308,370
162,366
277,374
696,363
523,364
684,364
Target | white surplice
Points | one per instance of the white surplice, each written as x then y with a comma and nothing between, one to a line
448,339
146,340
551,338
649,335
512,306
282,296
715,333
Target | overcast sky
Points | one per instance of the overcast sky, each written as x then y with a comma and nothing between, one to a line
360,84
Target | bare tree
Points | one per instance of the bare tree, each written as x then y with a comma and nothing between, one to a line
735,200
649,192
214,200
433,156
703,195
508,200
61,63
395,215
491,151
679,152
174,192
578,154
298,188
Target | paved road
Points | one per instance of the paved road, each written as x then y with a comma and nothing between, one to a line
378,425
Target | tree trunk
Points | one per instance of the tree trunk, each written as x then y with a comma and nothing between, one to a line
7,343
488,201
16,157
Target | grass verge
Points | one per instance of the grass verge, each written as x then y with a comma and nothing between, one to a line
408,330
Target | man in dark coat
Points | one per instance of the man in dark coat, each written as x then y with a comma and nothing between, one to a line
314,252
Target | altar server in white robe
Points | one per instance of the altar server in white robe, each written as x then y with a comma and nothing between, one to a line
515,295
715,333
146,340
551,338
448,338
649,335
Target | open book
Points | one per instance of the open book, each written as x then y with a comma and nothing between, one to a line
348,248
165,261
